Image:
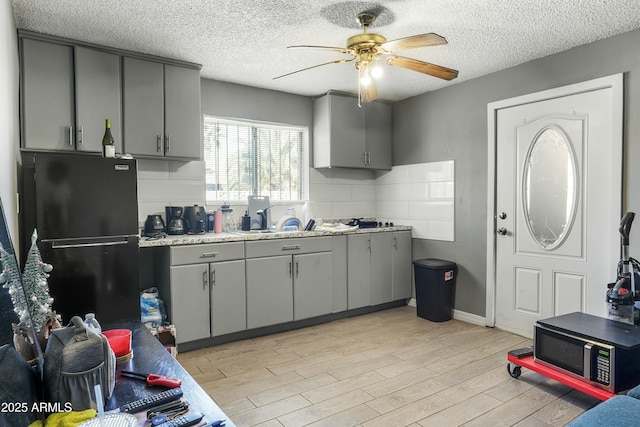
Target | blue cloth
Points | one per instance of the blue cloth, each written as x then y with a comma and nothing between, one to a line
617,411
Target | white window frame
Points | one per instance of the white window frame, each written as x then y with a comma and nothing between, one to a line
304,161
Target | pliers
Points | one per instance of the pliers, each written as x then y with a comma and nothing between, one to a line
154,379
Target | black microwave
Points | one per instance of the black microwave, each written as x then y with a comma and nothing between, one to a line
602,352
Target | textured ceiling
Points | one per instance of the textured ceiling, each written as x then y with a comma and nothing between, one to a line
246,42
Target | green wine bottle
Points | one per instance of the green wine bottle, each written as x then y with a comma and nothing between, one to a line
108,143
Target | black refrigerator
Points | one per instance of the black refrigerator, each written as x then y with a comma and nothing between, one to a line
85,210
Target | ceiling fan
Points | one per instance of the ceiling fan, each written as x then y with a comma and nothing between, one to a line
367,50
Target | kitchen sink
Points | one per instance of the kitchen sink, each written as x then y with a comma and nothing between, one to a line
253,232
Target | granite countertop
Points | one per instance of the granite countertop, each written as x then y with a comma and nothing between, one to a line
240,236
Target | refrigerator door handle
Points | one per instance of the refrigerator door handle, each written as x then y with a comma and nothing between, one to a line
86,245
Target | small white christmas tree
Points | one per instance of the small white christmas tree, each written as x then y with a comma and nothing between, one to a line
10,280
36,287
30,296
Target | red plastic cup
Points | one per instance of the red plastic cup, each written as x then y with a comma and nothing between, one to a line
119,341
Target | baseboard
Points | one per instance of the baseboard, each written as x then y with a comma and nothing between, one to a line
460,315
469,318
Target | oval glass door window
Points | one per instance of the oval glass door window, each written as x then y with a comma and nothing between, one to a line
550,188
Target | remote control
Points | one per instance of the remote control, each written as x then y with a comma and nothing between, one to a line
152,401
522,352
186,420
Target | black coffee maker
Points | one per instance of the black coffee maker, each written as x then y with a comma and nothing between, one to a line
195,219
175,223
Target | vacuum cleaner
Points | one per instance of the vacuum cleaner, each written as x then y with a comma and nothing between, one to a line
622,295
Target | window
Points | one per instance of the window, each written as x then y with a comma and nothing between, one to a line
245,158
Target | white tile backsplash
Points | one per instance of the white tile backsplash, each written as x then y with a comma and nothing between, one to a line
168,183
420,195
441,190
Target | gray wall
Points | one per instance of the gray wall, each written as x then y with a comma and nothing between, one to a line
451,123
236,101
9,128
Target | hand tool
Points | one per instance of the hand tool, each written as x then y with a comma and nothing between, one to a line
153,379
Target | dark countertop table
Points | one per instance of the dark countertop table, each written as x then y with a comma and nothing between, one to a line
150,356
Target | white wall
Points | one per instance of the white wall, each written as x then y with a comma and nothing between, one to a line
9,124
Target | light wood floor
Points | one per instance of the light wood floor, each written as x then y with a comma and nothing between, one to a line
389,368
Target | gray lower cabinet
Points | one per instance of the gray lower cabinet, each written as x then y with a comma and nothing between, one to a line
339,250
228,297
401,265
312,286
161,110
359,270
269,291
381,284
379,268
288,279
189,308
206,288
222,288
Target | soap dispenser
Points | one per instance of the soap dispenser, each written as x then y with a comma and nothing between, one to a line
246,221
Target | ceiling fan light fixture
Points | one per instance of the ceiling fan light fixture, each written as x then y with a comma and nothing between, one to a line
365,77
376,71
368,50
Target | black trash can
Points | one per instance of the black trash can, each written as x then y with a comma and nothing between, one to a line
435,288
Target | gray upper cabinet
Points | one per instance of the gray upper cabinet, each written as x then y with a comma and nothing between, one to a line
161,109
68,92
47,109
379,131
69,88
143,83
98,91
348,136
182,112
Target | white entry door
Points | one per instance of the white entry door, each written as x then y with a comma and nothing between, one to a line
557,203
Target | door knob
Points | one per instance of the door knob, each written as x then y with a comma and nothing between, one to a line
502,231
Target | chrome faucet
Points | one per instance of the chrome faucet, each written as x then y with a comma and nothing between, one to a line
262,213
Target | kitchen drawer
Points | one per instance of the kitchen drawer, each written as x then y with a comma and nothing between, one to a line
195,254
305,245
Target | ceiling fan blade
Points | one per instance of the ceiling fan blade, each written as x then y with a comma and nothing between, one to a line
339,61
368,93
333,48
422,67
411,42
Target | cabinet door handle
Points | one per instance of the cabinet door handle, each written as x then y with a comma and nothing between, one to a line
209,254
80,135
70,135
364,157
204,280
395,243
159,143
213,277
297,269
168,142
369,158
291,247
290,269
